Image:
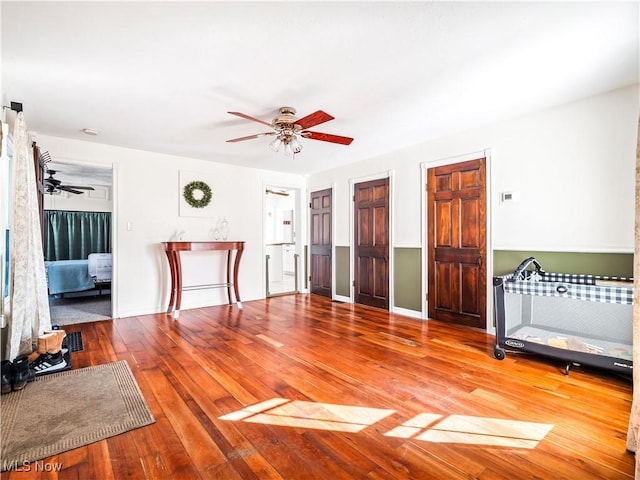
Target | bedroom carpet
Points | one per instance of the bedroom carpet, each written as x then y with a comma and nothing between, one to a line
65,410
67,311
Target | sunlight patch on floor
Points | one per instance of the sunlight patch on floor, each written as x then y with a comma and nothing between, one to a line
473,431
253,409
414,426
270,340
427,427
303,414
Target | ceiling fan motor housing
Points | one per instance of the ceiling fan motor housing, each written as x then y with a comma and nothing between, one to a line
286,120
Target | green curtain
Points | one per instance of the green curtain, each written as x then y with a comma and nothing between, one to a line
72,235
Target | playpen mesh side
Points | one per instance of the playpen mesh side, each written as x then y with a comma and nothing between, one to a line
610,322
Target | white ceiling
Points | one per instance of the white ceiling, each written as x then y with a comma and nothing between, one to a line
161,76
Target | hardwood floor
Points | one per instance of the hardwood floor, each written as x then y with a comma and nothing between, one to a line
298,387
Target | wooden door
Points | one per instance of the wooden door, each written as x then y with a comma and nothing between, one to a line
321,243
371,243
456,202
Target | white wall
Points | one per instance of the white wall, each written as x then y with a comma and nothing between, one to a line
573,166
146,198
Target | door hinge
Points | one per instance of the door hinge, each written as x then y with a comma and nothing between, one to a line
354,198
309,204
353,283
426,297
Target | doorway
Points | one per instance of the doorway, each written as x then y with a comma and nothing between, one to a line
281,256
457,246
77,241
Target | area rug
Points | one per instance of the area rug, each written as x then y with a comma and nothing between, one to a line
68,311
66,410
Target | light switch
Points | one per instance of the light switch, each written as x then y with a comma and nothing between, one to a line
509,197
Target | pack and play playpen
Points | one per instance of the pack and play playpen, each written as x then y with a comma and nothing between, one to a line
578,319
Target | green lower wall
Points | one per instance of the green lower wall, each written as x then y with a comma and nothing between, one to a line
342,272
613,264
407,278
407,274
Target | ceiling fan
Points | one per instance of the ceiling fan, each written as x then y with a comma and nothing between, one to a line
288,129
53,186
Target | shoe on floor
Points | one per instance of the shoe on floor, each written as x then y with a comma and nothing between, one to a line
49,363
22,373
7,376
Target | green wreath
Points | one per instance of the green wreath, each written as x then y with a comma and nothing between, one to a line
199,186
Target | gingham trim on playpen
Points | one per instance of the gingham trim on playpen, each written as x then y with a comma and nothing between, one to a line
568,277
579,287
584,279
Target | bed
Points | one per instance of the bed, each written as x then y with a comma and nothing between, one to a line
67,276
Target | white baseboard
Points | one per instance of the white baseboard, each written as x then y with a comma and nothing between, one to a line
408,313
340,298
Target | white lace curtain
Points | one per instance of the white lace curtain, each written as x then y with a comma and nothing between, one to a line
633,436
29,311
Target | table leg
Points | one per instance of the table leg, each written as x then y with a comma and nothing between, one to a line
229,252
236,266
172,270
178,272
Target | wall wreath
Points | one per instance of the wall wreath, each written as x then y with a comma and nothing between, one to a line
197,201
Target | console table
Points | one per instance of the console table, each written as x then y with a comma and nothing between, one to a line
173,249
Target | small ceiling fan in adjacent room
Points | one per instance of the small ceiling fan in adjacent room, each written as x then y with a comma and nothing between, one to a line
53,186
276,192
288,130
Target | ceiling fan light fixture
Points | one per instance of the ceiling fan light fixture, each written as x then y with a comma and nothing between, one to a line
275,145
295,145
287,148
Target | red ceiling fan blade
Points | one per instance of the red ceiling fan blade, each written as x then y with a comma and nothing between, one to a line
248,117
251,137
327,137
313,119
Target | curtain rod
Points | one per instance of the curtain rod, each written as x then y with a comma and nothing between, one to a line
15,106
